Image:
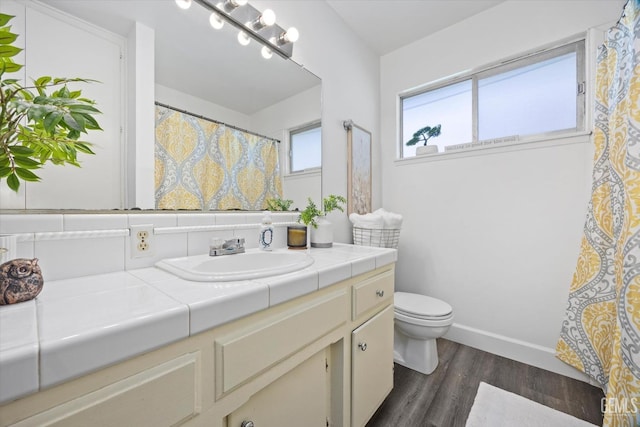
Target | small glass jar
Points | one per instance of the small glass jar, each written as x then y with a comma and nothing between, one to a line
297,236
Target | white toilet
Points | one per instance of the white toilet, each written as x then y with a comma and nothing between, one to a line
419,320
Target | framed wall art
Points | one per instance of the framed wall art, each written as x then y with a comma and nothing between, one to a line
358,169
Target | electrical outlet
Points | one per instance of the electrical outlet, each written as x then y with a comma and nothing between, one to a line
142,242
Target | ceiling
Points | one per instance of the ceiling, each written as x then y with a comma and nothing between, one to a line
386,25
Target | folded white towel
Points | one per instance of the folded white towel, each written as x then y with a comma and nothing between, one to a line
390,219
367,220
378,219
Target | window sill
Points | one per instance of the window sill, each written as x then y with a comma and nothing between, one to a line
304,174
522,144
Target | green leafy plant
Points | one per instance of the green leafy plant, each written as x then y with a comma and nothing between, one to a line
38,123
425,134
311,212
332,203
278,204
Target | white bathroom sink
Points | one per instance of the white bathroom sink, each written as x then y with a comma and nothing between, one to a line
252,264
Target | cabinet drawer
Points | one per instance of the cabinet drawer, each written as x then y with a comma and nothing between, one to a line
164,395
372,292
243,354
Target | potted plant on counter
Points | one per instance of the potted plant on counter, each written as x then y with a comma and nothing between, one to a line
321,228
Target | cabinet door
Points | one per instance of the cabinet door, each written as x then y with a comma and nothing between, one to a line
371,365
301,397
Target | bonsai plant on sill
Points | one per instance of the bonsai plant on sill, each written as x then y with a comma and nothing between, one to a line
37,127
321,227
424,135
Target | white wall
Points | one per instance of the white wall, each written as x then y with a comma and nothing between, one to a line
192,104
350,85
140,148
495,234
277,121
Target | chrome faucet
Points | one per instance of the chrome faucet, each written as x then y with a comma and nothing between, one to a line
227,247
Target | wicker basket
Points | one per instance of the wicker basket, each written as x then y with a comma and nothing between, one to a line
380,237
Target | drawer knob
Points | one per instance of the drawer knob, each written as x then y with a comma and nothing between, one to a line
362,346
247,424
380,293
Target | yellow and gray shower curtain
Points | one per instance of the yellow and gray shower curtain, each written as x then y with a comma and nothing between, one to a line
601,331
205,165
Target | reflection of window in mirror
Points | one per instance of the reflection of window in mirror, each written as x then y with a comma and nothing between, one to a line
305,148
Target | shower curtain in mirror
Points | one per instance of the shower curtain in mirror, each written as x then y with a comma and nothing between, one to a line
601,331
205,165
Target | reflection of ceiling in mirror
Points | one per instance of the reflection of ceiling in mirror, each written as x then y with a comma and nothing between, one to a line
195,59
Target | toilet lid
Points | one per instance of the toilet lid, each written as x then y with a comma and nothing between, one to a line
421,305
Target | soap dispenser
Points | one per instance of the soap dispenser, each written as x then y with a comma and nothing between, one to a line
265,239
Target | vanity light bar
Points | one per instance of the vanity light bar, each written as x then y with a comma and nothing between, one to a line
244,17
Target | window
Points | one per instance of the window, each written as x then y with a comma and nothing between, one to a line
449,106
535,95
305,148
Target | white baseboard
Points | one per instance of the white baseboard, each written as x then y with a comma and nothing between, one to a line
521,351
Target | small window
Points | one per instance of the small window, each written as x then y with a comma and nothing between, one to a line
449,106
305,148
533,95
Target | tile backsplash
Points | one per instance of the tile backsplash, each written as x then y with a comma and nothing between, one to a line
72,245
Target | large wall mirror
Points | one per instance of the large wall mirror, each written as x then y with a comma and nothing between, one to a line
195,68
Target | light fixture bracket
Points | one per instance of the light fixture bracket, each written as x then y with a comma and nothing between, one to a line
241,15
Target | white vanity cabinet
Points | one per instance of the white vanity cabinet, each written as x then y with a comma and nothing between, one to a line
302,362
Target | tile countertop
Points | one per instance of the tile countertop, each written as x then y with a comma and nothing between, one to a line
76,326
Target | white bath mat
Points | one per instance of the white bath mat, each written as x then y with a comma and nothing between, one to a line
494,407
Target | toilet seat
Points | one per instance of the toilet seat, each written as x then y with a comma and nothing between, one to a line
428,323
421,307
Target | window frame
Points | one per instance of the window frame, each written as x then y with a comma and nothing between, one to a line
316,124
575,45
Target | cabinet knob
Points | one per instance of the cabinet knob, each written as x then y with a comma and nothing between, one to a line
380,293
362,346
247,424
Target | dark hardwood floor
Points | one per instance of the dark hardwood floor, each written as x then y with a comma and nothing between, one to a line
444,398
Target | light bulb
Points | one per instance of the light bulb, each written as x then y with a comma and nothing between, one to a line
266,52
215,21
292,35
229,5
268,18
243,38
183,4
